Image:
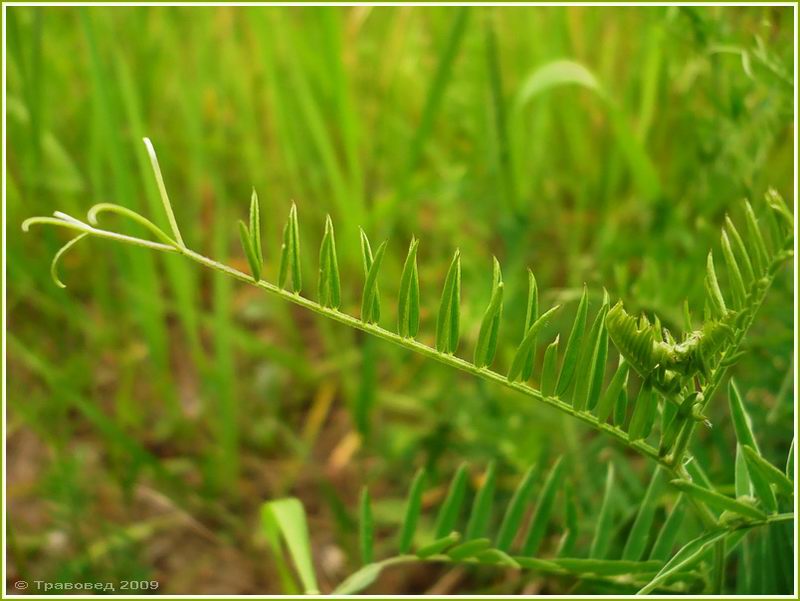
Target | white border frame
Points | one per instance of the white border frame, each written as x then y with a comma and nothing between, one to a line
5,593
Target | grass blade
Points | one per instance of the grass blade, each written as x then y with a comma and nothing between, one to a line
487,337
368,305
515,511
449,512
482,505
744,435
544,507
573,345
769,473
717,500
448,319
408,307
587,364
640,531
550,368
605,519
366,527
689,554
662,548
518,363
367,260
330,289
247,246
411,516
531,315
286,518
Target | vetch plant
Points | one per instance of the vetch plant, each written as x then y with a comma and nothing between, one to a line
652,404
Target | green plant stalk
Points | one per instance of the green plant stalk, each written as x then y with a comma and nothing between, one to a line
451,360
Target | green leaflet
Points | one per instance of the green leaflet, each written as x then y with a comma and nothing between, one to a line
734,273
640,531
448,319
487,337
718,501
741,251
439,545
366,261
587,364
515,511
621,408
408,307
531,314
497,557
755,240
573,345
644,413
605,519
518,363
544,507
778,205
715,298
790,462
330,288
286,518
368,304
744,435
607,567
685,558
255,227
366,528
469,549
482,505
662,548
413,507
550,368
769,473
290,254
618,381
57,257
451,507
249,252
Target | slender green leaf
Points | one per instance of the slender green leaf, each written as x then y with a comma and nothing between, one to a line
587,364
448,319
515,511
330,288
366,528
741,251
605,520
439,545
689,555
247,246
487,337
290,254
550,368
358,581
662,548
497,557
618,381
411,516
639,535
469,549
482,505
531,315
544,507
255,227
162,190
790,462
451,507
287,518
408,309
734,273
743,487
607,567
621,407
371,287
566,546
715,298
644,412
366,261
518,363
744,435
755,241
770,473
717,500
573,345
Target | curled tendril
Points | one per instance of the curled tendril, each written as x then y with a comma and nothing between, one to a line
61,252
106,207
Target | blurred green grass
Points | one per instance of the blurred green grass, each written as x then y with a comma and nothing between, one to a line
150,403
